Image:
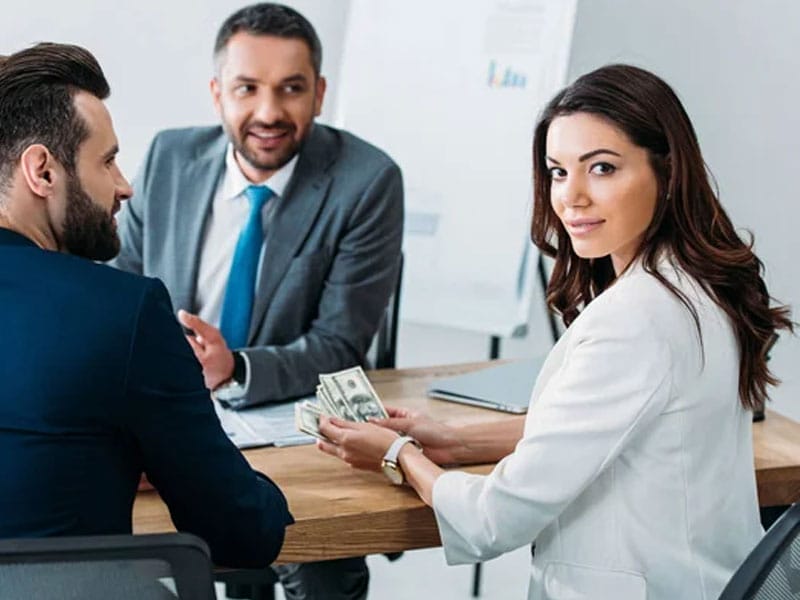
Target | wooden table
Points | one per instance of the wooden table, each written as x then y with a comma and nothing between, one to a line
342,512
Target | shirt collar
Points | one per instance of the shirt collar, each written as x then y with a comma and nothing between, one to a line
236,183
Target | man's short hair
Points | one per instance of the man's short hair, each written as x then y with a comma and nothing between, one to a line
37,89
267,18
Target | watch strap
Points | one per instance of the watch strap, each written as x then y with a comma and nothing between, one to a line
397,445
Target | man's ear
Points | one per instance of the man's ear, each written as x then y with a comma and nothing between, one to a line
216,90
37,165
321,86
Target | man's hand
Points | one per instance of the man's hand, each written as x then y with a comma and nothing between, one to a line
210,349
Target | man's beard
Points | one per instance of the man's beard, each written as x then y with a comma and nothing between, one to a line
273,163
89,231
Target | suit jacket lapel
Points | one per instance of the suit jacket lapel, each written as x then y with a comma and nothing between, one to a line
199,184
293,218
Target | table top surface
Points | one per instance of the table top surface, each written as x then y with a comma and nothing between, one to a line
340,511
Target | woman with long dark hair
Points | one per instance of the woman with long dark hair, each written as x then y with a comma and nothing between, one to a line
633,469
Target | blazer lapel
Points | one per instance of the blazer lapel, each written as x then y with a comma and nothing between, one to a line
293,219
199,183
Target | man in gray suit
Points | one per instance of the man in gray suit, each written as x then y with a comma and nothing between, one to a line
277,283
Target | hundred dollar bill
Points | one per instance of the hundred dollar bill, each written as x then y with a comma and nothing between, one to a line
306,419
325,403
312,406
357,392
335,401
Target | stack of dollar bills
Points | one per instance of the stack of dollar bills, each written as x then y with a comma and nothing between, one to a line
347,395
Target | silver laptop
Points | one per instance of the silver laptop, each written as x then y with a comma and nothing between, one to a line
506,387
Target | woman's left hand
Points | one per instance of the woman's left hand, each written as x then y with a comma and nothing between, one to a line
361,445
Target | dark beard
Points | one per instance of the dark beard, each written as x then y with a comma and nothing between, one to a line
271,165
275,163
89,231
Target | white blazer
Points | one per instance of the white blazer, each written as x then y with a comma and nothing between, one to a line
634,475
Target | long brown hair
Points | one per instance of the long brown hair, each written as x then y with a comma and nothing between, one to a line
689,222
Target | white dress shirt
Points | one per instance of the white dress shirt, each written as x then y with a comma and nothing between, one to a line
634,474
229,211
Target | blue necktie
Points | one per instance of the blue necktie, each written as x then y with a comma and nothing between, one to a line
240,291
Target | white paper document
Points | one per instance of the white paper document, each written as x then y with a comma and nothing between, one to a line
267,425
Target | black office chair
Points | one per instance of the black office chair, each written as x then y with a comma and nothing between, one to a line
122,567
772,570
383,351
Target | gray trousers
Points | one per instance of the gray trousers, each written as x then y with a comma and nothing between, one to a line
340,579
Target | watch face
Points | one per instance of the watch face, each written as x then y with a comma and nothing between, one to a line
393,472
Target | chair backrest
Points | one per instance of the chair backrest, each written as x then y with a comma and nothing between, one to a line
772,570
383,351
121,567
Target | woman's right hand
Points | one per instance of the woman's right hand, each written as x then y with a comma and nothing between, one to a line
440,442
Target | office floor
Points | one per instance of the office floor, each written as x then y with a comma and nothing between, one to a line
424,574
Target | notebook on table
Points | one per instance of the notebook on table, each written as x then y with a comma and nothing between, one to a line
506,387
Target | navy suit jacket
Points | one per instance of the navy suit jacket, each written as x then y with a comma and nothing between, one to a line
99,385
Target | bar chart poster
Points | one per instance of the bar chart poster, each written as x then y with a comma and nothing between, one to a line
451,90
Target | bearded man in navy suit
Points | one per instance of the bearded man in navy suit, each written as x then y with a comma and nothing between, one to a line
100,384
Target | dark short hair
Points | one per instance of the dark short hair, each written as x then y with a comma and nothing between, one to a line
267,18
37,88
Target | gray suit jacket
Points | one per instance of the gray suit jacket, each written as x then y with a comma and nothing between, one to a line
333,249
